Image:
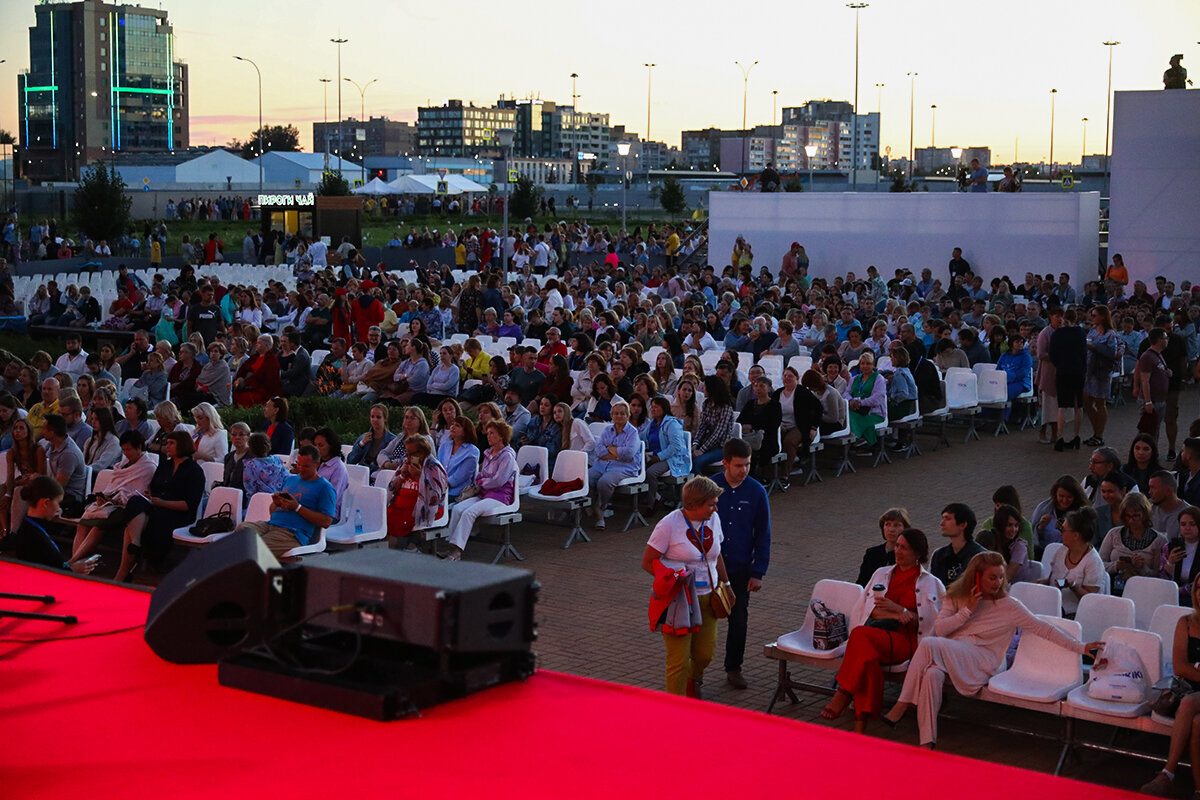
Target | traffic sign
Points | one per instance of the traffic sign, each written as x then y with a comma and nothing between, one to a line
443,187
1068,181
513,176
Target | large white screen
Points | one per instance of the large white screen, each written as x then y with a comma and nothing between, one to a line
1000,234
1155,207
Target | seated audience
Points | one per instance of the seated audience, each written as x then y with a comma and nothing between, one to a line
300,510
891,523
496,485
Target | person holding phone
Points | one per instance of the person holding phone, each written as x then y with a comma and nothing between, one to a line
970,638
1134,547
306,504
1179,562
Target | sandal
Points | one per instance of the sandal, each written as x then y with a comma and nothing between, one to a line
832,710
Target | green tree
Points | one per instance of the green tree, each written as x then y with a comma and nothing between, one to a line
592,180
524,198
284,138
672,198
333,185
793,184
101,205
6,137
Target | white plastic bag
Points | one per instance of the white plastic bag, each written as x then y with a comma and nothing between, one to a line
1118,676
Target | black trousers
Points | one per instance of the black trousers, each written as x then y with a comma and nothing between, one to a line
735,640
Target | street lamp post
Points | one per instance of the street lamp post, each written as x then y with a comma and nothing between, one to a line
339,42
362,97
933,126
623,151
957,153
325,127
649,78
1053,95
810,150
879,88
745,92
854,118
261,152
1083,148
774,105
1110,44
912,106
505,135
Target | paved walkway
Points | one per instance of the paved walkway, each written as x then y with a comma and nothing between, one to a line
592,613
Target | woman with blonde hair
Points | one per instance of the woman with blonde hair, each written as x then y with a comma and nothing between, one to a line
209,436
576,435
970,638
1133,547
686,545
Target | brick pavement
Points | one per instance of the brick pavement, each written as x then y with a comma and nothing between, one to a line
592,613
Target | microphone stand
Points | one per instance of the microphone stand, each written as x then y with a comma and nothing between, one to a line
34,598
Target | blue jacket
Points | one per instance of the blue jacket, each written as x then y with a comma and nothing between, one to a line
629,449
673,442
745,525
358,452
461,467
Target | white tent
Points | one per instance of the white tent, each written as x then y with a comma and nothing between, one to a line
375,186
427,184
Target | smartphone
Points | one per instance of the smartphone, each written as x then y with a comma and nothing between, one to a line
1176,544
979,582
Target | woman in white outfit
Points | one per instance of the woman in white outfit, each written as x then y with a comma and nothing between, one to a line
496,486
211,441
970,638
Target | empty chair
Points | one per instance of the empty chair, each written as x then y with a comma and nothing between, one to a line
962,396
1163,623
570,465
1147,595
1045,601
371,503
221,500
838,596
1099,612
1042,672
358,474
536,457
1148,647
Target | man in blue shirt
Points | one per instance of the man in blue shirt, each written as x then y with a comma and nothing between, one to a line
307,503
745,517
977,180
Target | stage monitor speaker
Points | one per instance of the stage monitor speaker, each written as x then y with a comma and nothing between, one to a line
445,606
217,602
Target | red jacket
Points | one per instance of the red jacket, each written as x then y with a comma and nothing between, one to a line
365,315
668,583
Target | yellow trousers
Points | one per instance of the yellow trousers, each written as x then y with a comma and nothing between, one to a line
688,656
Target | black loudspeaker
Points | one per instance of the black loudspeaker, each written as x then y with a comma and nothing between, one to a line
446,606
218,601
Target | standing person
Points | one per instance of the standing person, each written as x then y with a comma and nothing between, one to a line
970,637
950,560
977,179
686,547
1103,350
887,628
1068,353
1154,377
1046,378
745,517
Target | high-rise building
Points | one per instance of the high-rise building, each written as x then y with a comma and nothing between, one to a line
463,131
546,129
377,137
101,78
840,114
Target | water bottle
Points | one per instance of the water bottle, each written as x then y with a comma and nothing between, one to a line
358,523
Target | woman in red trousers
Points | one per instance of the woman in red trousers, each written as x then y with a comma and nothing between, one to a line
257,380
899,607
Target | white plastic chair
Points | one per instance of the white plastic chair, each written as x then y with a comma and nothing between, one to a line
962,396
371,501
634,487
314,547
597,428
383,478
218,499
1099,612
536,456
358,475
1147,595
569,465
1040,599
1163,622
1149,647
1048,557
837,596
1042,672
259,509
1036,571
214,472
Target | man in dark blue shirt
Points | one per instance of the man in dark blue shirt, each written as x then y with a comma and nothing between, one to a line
745,517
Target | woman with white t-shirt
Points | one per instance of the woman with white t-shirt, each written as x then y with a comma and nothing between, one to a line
690,538
1077,568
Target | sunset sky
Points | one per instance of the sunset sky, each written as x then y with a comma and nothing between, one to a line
989,67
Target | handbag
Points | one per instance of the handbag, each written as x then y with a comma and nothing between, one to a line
221,522
830,630
1168,702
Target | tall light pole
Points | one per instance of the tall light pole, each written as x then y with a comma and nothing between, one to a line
810,150
649,78
362,97
1110,44
505,135
745,92
261,153
1053,95
854,118
774,105
933,126
1083,149
912,106
623,152
339,42
325,128
879,88
574,94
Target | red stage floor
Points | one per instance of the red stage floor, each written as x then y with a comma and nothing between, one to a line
105,718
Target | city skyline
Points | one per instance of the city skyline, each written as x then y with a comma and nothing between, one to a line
991,80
